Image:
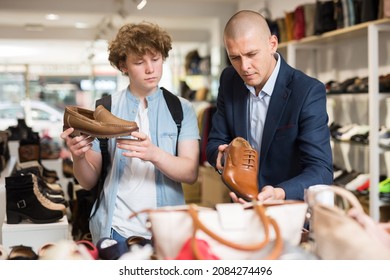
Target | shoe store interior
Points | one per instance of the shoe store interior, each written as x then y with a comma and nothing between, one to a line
53,54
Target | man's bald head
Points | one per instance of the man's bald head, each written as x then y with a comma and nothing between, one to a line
246,21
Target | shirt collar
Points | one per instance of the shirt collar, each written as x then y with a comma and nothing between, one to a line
149,98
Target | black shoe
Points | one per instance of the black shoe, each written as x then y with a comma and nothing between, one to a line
24,200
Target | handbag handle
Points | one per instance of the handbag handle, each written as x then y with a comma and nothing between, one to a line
264,219
349,196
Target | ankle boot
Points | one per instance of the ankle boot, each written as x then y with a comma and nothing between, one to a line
49,193
25,201
50,176
35,168
29,152
20,131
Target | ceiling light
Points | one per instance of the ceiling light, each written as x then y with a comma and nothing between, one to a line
80,25
141,4
52,17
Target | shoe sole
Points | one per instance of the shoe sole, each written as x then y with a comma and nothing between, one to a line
79,132
236,192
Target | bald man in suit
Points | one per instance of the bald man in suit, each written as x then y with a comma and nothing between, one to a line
279,110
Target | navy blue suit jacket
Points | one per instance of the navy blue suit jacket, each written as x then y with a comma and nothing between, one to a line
295,150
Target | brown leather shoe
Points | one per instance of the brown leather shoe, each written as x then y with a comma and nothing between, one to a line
99,123
240,169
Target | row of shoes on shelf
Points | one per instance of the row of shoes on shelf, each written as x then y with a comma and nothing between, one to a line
356,85
43,147
350,132
357,133
135,248
32,190
360,182
33,195
49,148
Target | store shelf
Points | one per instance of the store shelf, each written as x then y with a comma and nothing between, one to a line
331,37
367,33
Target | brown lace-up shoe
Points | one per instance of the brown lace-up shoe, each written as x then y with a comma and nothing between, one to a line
99,123
240,169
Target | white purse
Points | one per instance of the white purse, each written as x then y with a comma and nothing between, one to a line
230,230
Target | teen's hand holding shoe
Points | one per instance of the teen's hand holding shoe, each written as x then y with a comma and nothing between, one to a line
80,147
139,146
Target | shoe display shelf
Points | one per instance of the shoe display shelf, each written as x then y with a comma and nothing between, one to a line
27,233
352,109
34,235
359,50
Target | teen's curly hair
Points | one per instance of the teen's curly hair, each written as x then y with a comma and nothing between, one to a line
138,39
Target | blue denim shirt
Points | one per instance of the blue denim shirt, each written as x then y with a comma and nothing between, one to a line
163,134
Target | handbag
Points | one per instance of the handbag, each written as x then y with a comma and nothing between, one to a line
336,234
228,231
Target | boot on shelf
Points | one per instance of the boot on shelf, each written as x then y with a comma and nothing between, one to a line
34,167
24,200
30,150
19,131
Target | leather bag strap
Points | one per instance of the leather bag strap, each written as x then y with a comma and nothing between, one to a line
264,219
343,193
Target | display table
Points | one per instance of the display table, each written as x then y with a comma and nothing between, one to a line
34,235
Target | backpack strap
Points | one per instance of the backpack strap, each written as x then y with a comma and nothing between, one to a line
176,110
174,106
103,143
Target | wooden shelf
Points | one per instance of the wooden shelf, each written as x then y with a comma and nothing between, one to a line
355,31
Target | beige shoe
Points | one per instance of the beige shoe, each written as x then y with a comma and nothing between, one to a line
99,123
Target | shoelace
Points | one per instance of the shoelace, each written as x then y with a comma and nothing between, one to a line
248,160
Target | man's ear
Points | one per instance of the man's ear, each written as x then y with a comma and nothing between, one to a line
273,41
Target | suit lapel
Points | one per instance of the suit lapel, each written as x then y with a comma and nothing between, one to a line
276,107
240,107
